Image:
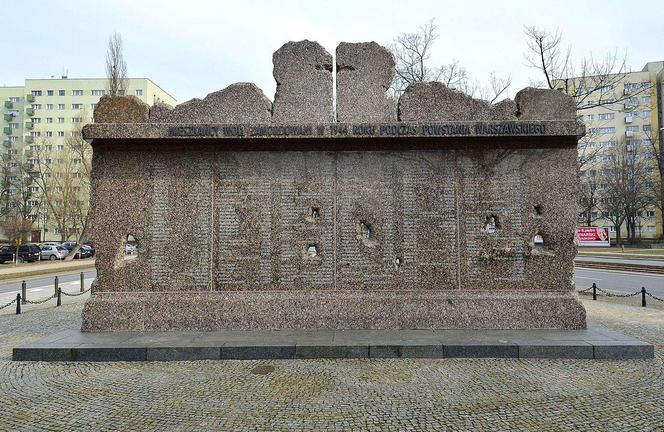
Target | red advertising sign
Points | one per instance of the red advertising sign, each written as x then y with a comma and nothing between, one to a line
592,236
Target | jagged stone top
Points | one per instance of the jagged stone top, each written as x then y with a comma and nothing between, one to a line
237,103
303,71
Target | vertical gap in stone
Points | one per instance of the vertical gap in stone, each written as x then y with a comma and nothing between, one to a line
334,86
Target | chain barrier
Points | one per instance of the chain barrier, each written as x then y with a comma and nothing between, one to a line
75,294
36,302
610,294
655,297
8,304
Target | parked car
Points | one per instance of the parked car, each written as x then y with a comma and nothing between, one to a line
70,245
89,243
26,253
50,244
84,252
50,252
130,249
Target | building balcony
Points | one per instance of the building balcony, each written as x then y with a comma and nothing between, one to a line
629,133
30,98
30,111
9,104
629,119
29,139
7,143
29,125
7,130
8,117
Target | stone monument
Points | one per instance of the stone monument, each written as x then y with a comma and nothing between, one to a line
436,211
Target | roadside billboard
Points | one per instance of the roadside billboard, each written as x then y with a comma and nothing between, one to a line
592,236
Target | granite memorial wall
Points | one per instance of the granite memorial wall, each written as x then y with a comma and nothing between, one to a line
434,211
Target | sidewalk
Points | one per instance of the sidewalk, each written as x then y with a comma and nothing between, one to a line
656,254
21,271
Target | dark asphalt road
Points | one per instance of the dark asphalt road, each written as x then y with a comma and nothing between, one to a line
47,282
619,281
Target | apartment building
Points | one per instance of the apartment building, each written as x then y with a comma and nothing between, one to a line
628,111
54,109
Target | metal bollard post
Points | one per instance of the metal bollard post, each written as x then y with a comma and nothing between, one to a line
594,291
643,296
23,292
59,303
82,283
55,293
18,304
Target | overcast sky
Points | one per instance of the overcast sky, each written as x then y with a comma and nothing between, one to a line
194,47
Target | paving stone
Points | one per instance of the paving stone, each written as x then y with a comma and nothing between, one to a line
480,351
331,351
253,352
573,350
187,353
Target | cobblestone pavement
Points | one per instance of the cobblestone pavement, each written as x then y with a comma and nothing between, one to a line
399,395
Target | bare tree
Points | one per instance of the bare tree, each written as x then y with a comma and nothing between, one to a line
626,190
16,230
588,198
655,153
116,67
412,54
593,82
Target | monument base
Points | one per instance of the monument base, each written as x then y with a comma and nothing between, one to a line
274,310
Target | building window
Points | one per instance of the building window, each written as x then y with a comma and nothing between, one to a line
647,128
36,120
61,93
60,147
61,106
13,139
607,130
590,117
93,106
645,114
77,92
49,119
36,92
14,99
49,92
139,92
650,213
61,133
34,148
645,100
631,129
75,119
49,134
35,106
98,92
61,119
49,106
35,134
76,106
607,116
13,125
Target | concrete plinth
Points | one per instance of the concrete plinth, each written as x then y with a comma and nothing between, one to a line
592,343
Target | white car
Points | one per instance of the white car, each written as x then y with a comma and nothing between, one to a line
53,252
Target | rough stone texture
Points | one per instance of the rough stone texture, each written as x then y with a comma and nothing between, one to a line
379,222
237,103
434,101
544,104
121,109
506,109
344,309
160,110
303,72
364,74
